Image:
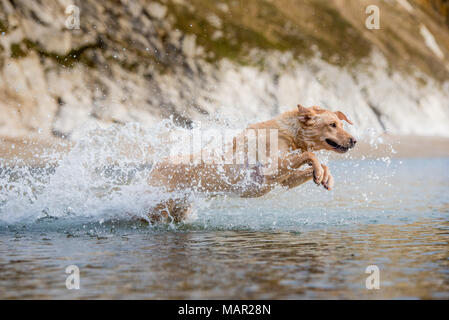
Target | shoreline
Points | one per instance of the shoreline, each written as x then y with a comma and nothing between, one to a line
406,147
402,147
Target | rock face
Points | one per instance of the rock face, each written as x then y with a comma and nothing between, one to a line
141,61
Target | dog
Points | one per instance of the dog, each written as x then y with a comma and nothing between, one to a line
298,134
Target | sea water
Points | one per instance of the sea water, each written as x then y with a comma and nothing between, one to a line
85,209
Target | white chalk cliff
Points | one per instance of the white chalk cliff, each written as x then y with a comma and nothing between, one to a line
142,61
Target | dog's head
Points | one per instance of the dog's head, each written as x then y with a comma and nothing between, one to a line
322,129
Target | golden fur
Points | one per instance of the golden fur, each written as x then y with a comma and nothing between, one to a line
300,132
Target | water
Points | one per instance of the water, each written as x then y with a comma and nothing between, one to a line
86,208
302,243
200,264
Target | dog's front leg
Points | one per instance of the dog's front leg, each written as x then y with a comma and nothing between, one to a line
328,180
295,161
299,177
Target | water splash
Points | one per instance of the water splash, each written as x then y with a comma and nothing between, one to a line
104,177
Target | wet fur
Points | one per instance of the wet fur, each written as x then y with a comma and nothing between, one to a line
300,133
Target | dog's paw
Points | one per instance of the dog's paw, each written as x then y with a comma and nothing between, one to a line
318,174
328,180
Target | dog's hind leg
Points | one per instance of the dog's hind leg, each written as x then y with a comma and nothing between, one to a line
171,211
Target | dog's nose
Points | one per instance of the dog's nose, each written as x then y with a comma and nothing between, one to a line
352,142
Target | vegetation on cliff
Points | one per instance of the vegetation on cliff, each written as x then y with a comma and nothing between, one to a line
135,59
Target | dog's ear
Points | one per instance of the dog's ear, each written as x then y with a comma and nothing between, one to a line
342,116
302,109
305,114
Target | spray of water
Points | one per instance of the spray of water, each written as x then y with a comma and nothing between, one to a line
104,176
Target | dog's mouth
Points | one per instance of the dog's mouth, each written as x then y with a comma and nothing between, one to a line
336,146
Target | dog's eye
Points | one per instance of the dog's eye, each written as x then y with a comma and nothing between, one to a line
333,125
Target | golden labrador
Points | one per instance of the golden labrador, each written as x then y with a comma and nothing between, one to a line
285,144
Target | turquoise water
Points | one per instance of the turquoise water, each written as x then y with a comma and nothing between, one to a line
301,243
